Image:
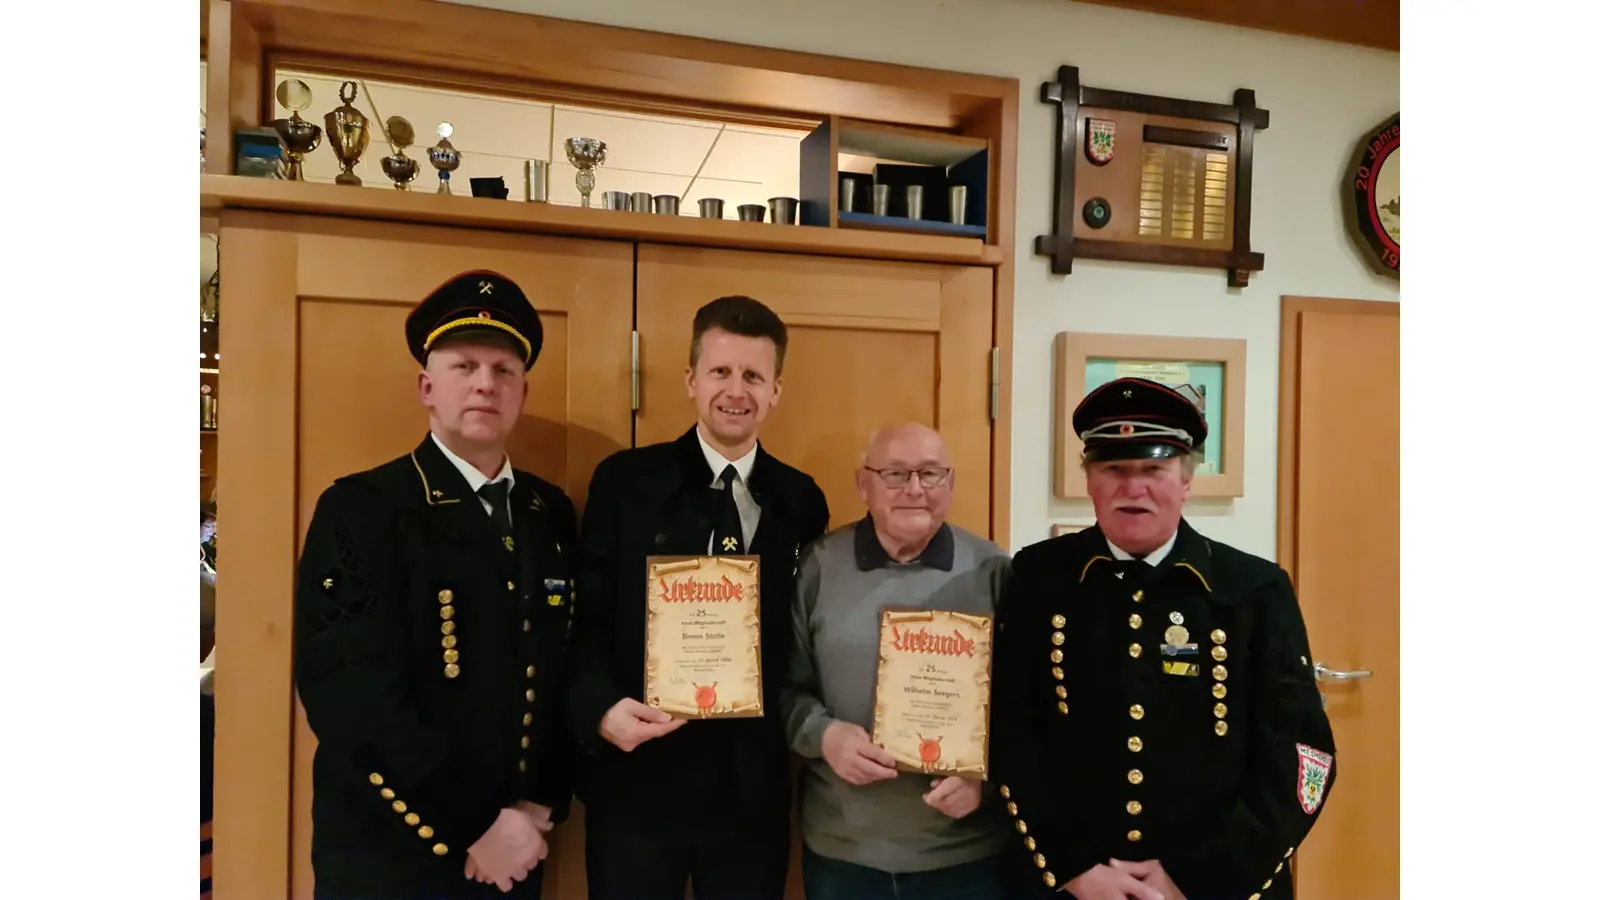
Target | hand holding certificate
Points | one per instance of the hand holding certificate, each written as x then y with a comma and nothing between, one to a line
931,709
703,636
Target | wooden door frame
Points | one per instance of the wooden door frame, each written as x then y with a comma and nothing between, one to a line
1291,308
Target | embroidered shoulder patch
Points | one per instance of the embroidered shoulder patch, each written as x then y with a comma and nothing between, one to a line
1314,768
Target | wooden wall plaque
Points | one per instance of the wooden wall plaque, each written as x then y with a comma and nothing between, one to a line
1372,197
1151,179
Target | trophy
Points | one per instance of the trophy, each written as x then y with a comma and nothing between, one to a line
348,133
299,136
400,168
585,154
444,156
208,409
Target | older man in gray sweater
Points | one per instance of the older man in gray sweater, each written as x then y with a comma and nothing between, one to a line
872,832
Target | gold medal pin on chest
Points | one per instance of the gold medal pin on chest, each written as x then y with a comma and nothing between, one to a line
1176,638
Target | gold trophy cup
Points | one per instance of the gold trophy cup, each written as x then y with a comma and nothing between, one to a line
299,136
400,168
444,157
348,133
585,154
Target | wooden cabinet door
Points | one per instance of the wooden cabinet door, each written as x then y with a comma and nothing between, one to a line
319,383
870,344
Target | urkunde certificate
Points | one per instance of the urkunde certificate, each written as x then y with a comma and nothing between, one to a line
931,708
702,638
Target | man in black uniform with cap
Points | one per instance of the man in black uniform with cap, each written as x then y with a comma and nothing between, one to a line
669,802
431,624
1158,732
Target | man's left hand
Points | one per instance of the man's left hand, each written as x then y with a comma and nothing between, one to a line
540,815
1151,873
955,797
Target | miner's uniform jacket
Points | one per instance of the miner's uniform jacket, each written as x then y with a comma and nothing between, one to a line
429,656
1165,712
654,500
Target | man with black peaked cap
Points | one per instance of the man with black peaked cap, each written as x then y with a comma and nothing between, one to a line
670,803
1158,732
431,623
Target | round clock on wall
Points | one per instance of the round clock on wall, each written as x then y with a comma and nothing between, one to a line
1372,197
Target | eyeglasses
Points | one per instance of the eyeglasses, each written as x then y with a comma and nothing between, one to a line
933,476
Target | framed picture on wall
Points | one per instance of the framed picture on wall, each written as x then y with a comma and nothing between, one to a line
1208,370
1057,529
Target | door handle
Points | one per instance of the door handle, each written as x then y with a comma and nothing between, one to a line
1324,673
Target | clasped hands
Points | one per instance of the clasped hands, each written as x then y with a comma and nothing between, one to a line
512,847
851,754
1125,881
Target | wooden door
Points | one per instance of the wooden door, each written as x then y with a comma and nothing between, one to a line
319,384
1339,537
870,344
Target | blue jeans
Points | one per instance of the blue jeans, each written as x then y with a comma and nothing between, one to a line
834,879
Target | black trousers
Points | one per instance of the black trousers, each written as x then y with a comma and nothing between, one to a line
732,857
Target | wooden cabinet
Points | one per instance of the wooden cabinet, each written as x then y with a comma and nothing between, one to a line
871,343
320,384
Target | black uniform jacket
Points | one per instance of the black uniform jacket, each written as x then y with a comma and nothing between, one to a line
1211,754
429,656
658,500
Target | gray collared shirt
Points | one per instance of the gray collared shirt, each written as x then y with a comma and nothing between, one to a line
846,580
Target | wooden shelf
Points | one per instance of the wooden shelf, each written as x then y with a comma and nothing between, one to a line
907,145
902,224
220,192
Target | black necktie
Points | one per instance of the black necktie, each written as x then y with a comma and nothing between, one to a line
729,535
497,493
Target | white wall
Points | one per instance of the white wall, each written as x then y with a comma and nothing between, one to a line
1323,97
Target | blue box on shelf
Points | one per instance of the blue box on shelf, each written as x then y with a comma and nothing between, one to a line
258,153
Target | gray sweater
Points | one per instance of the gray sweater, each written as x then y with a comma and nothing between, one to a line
846,580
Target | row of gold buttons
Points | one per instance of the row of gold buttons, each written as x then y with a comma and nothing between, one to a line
1058,622
1136,713
1268,884
1219,672
1135,649
411,818
447,612
1027,839
527,717
1135,776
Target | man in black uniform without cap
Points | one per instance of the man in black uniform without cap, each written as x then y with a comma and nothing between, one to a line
431,622
1158,732
667,802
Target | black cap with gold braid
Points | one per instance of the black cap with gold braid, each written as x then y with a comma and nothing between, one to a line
476,301
1135,418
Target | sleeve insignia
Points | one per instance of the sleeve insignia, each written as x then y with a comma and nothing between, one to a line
1314,768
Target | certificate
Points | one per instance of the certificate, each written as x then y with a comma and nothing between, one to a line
702,636
931,706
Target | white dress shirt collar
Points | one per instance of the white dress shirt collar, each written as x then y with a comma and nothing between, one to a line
718,462
1154,558
475,479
